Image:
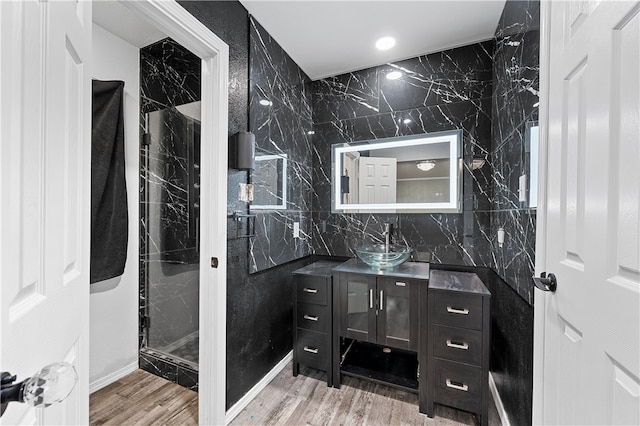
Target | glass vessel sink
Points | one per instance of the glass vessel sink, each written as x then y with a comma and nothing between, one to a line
378,256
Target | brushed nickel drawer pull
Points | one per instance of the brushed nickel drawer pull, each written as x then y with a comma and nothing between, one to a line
310,318
458,345
381,300
401,284
457,385
310,290
370,298
451,310
310,349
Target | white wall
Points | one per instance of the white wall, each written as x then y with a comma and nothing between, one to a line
114,302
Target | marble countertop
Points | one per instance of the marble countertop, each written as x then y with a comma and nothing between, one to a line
457,281
321,268
415,270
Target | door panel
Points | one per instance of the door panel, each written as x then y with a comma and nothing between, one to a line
397,322
45,161
358,314
591,339
377,180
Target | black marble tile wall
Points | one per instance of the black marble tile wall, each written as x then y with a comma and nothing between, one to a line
515,103
280,117
441,91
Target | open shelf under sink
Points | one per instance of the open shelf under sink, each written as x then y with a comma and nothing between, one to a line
398,368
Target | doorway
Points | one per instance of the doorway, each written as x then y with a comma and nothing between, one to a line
206,237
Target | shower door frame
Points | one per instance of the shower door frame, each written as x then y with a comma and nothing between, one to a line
184,28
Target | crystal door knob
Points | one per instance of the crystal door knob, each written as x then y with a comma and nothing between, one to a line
50,385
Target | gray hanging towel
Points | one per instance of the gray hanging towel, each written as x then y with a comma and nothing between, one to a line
109,217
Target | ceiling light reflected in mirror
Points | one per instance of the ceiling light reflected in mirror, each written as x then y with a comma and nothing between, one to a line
426,165
394,75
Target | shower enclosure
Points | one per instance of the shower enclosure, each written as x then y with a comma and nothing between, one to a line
169,222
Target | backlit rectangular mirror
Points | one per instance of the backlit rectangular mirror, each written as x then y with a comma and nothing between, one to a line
409,174
270,182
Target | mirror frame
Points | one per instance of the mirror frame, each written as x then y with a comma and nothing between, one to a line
284,188
454,205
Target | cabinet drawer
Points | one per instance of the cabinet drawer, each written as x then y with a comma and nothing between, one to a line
312,290
313,317
458,309
312,349
458,385
457,344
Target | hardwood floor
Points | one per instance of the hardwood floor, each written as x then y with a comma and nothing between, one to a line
144,399
141,398
306,400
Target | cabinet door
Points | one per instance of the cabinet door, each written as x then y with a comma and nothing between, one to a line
397,313
357,307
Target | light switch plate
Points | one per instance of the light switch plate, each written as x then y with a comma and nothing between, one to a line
296,229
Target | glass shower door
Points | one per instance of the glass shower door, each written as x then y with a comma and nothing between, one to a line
171,217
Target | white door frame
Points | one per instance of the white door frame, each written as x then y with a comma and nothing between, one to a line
172,19
539,305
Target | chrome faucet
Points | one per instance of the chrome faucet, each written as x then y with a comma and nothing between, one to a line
387,236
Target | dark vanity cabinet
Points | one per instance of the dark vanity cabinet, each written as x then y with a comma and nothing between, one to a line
456,344
313,317
419,330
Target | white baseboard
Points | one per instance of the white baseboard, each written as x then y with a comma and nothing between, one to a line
249,396
496,398
110,378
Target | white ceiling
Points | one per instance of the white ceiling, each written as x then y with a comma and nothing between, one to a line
327,38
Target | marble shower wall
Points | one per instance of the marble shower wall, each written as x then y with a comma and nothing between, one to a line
281,128
169,178
440,91
515,103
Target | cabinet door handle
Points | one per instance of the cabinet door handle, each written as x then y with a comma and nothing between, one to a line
457,385
381,299
370,298
310,349
310,318
310,290
401,284
451,310
458,345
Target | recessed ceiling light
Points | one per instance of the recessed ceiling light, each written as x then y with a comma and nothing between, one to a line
406,121
385,43
265,102
394,75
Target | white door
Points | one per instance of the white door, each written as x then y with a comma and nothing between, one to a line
377,180
45,163
587,333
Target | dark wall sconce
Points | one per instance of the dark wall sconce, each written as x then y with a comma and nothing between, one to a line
243,147
344,184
